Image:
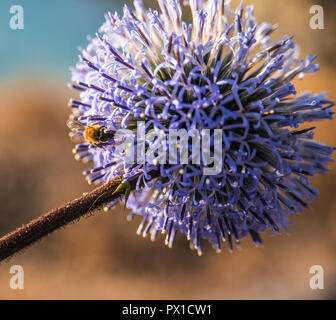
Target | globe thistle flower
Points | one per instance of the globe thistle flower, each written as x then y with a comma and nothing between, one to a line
221,72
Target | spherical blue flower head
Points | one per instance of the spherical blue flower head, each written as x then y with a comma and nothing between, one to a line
221,72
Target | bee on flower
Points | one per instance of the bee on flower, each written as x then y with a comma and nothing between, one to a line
222,71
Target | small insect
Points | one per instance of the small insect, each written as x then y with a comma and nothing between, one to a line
95,134
124,188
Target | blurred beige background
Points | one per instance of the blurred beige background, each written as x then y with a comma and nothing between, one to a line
101,257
